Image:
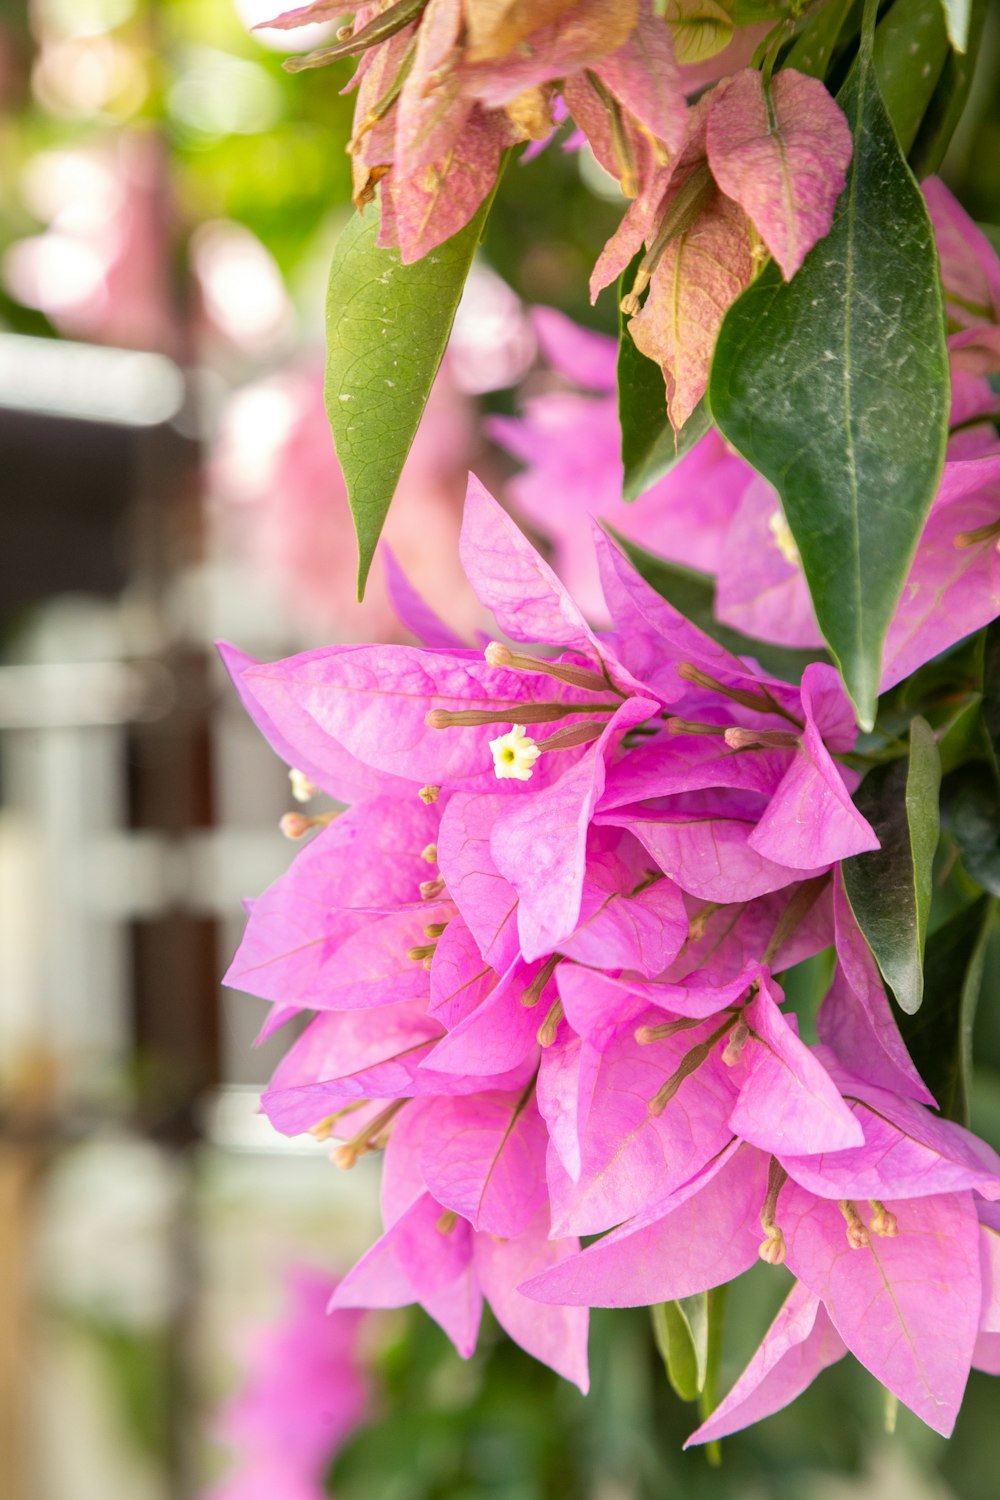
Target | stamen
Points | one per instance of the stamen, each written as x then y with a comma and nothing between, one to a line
303,790
429,854
447,1221
429,794
761,700
773,1248
371,1138
295,825
531,713
689,1064
431,889
884,1222
684,209
549,1027
533,993
620,144
498,655
738,738
965,539
734,1047
700,920
323,1129
690,726
857,1235
569,739
435,929
645,1035
421,951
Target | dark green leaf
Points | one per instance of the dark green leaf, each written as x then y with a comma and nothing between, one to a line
815,44
890,888
835,386
991,688
693,593
948,101
681,1331
973,815
911,45
387,325
650,447
939,1038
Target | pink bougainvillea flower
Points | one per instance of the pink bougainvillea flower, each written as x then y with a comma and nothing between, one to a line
430,1254
879,1276
802,1341
571,446
280,503
970,271
306,1392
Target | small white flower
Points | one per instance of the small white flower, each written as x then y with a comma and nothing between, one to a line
514,754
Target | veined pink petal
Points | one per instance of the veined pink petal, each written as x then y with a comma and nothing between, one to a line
630,1155
565,1085
907,1307
555,1335
705,1234
436,203
460,978
798,1345
783,155
642,75
498,1036
486,900
712,856
787,1099
989,1246
484,1157
415,613
855,1019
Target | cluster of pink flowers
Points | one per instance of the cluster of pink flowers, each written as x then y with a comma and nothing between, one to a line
306,1390
445,87
712,512
542,946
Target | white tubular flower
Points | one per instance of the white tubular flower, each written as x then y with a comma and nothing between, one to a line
514,754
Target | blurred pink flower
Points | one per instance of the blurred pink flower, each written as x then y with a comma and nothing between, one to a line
281,502
305,1393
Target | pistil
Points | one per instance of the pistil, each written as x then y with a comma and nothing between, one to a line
370,1138
547,1031
761,700
689,1064
533,993
884,1223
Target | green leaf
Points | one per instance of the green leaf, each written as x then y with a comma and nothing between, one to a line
815,45
991,688
681,1332
947,104
973,814
835,387
939,1038
890,888
387,325
650,447
957,15
693,593
911,45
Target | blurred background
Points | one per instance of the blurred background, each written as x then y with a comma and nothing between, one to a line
169,199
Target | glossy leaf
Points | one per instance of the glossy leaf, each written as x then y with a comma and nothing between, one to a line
681,1332
387,325
991,689
940,1037
814,46
890,888
693,593
911,45
973,810
700,28
835,387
